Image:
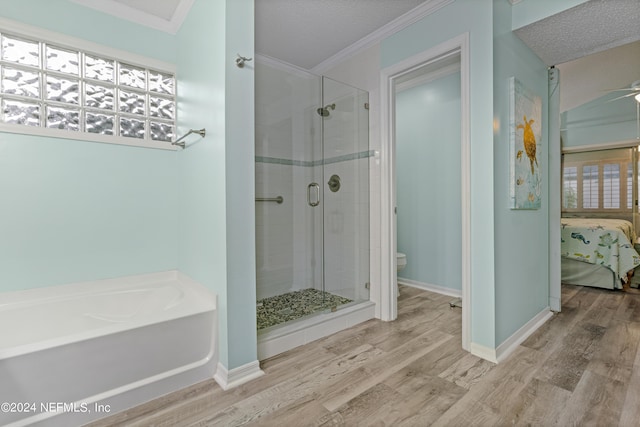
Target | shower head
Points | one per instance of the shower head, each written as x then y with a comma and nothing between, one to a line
324,112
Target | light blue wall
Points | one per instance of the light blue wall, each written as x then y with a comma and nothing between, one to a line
216,204
521,237
474,17
84,211
600,122
201,104
428,181
75,210
69,18
240,184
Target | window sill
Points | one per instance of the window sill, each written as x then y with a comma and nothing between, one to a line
84,136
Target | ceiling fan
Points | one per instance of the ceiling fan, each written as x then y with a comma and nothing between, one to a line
633,89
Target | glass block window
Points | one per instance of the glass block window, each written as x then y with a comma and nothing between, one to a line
46,85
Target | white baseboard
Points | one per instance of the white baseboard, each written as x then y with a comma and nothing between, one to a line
511,343
456,293
240,375
483,352
304,331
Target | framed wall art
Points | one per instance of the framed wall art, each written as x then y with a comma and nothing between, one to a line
525,128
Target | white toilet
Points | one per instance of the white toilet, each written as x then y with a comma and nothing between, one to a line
401,261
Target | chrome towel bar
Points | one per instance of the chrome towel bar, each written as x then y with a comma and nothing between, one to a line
278,199
202,132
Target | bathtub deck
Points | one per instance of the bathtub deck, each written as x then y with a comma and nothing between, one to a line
413,372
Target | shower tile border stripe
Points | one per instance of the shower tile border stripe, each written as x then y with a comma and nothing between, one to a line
306,163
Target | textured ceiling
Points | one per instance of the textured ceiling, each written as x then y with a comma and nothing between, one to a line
306,32
588,28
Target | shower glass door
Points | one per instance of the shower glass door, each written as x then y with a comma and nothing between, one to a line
312,196
345,193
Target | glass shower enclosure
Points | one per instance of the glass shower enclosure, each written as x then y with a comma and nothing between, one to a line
312,195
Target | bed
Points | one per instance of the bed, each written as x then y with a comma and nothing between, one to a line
598,252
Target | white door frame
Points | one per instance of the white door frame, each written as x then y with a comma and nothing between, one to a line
388,78
555,181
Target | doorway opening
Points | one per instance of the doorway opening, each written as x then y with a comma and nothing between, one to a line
451,57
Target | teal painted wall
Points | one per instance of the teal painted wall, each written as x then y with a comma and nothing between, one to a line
83,211
75,210
216,203
240,184
69,18
201,104
428,181
473,17
521,237
600,122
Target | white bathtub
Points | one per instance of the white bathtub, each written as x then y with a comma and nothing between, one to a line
74,353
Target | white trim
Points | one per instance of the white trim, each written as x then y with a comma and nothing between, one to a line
284,66
465,163
603,146
511,343
403,21
428,77
554,176
179,15
304,331
237,376
85,136
388,286
122,11
430,287
63,40
483,352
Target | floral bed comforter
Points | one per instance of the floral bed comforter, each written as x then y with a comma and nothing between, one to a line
600,241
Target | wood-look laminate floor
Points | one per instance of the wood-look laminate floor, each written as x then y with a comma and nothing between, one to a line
582,367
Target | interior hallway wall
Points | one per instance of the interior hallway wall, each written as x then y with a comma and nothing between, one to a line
475,18
75,210
428,153
217,233
521,236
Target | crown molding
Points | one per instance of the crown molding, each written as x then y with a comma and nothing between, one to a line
401,22
123,11
284,66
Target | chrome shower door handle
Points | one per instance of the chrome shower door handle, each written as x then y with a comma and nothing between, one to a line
317,199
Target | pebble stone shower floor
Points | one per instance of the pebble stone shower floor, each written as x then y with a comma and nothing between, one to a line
294,305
